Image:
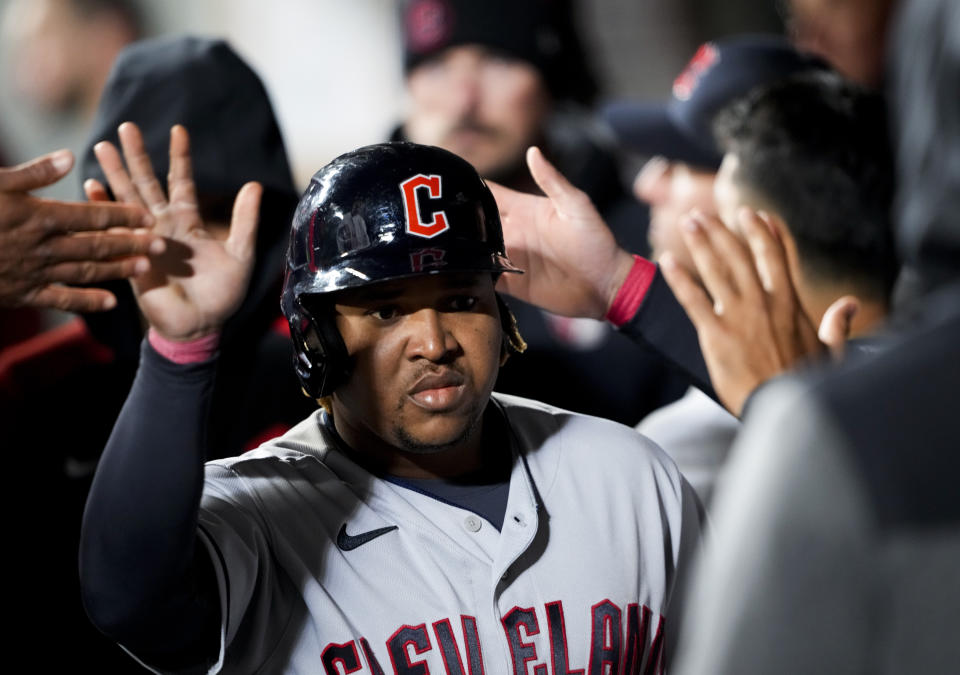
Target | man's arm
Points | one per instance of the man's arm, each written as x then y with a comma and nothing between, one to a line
574,267
45,244
146,581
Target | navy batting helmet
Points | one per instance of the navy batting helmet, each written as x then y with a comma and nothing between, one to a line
381,212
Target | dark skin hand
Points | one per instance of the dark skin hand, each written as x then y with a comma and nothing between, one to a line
46,245
749,319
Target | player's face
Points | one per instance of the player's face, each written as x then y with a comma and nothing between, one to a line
425,353
478,104
672,189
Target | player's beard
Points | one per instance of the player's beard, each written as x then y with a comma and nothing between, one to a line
409,443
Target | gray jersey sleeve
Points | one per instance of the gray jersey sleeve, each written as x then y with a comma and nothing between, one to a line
252,608
789,560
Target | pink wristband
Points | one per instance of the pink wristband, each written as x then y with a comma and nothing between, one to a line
193,351
632,291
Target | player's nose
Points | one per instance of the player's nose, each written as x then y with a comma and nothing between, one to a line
429,337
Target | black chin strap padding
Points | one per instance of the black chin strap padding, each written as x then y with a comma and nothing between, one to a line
335,362
321,358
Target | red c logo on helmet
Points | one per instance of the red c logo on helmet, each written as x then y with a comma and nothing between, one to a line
415,226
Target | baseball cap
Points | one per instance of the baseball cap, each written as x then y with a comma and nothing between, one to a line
720,72
540,32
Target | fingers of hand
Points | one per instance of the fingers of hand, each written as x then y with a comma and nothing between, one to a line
567,198
73,299
87,271
98,246
95,190
695,302
180,180
769,256
58,217
701,236
793,331
141,169
36,173
243,224
116,174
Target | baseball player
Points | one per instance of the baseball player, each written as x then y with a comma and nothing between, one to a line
416,523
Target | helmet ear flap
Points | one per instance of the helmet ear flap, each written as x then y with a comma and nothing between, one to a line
320,356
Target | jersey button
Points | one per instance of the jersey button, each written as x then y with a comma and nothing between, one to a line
472,523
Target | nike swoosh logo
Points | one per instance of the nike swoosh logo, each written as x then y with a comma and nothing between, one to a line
345,542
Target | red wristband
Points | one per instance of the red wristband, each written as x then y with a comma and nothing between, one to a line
193,351
632,291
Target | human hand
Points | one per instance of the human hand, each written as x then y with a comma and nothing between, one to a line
45,244
749,320
200,281
573,264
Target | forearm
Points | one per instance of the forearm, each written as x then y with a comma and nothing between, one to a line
145,581
646,310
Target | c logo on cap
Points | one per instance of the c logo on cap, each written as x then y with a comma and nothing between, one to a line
415,225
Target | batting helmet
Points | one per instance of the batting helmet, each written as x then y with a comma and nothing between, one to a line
382,212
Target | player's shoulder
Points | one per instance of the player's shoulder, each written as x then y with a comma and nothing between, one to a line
306,440
542,429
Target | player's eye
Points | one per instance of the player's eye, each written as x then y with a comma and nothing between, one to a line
385,313
461,303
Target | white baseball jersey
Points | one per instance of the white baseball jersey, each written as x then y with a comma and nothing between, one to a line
325,568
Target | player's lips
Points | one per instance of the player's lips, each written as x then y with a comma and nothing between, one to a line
437,392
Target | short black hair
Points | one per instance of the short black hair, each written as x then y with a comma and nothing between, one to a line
816,150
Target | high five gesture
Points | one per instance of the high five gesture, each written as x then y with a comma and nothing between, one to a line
201,279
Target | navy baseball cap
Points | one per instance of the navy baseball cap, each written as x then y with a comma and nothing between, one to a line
681,129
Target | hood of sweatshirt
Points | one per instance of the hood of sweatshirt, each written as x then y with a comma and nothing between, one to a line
234,137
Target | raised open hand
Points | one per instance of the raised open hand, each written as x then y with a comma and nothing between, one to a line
573,264
45,244
200,280
749,320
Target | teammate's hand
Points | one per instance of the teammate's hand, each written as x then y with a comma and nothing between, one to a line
573,264
749,320
45,244
200,281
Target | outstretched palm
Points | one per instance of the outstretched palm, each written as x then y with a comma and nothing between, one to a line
573,264
200,280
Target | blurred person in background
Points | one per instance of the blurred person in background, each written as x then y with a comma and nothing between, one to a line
157,83
63,50
838,528
486,81
679,177
850,34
